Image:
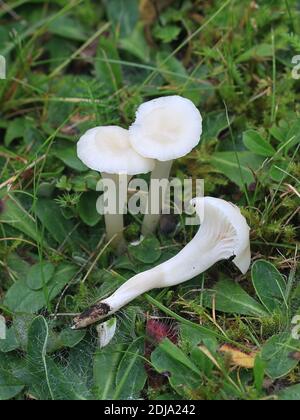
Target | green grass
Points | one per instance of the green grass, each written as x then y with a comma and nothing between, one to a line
71,67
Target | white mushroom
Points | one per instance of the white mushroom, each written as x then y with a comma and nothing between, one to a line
108,150
223,235
165,129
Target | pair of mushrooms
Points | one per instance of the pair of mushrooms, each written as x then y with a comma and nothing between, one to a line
165,129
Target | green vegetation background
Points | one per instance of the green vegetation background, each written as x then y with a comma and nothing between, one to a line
73,65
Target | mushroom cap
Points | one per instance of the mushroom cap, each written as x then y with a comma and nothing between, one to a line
108,149
166,128
224,224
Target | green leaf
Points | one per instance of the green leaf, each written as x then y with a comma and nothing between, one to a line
81,360
105,369
10,387
58,51
67,154
177,354
135,44
279,133
110,281
291,393
279,171
36,361
125,263
69,338
10,343
45,189
123,13
87,208
40,275
15,130
147,252
20,298
259,51
21,325
181,377
172,70
213,124
269,285
257,144
131,375
50,215
238,167
15,215
49,380
67,384
67,27
192,336
167,33
231,298
18,266
293,135
204,364
277,354
259,373
288,133
109,73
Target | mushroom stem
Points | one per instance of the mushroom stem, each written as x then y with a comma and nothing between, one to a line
161,171
223,235
168,274
115,222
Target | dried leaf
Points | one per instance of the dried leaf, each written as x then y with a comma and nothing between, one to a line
295,355
239,358
149,9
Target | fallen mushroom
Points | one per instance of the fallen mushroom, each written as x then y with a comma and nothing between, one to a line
165,129
223,235
108,150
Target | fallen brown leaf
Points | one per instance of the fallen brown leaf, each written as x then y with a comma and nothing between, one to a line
149,9
295,355
149,12
239,358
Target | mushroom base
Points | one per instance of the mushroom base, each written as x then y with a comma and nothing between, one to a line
91,316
